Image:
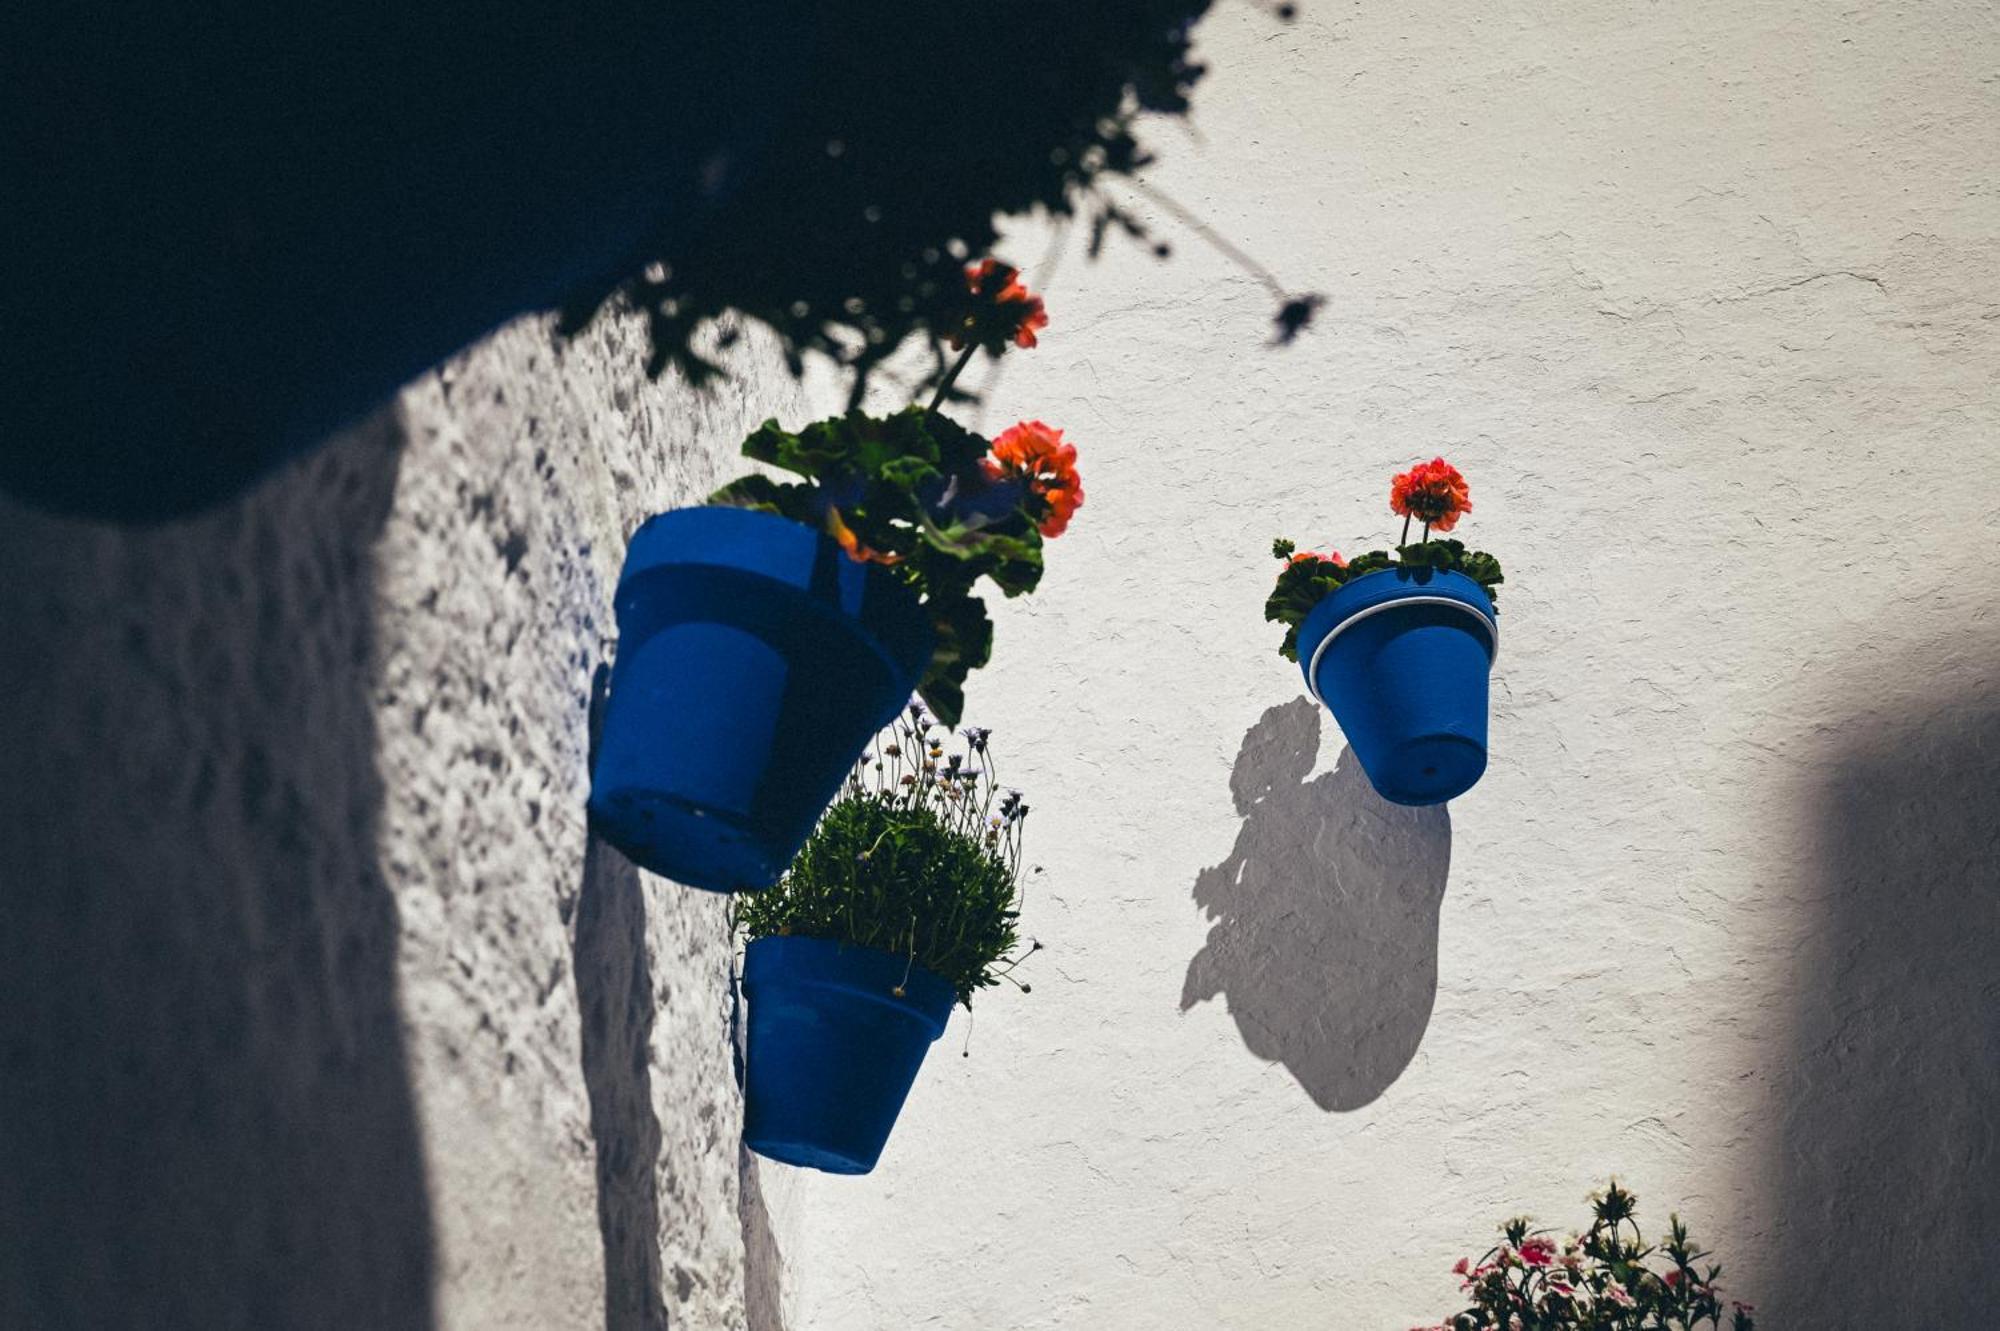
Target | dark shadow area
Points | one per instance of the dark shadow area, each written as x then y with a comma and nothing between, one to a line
1887,1206
763,1264
1325,942
614,991
206,1117
320,202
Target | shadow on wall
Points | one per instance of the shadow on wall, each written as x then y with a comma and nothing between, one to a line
205,1115
1325,942
614,982
763,1265
1887,1210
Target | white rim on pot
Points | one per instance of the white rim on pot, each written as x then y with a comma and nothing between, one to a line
1491,626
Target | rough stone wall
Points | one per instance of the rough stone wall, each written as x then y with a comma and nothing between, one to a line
319,1007
1705,300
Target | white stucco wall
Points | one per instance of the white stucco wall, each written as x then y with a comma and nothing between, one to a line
317,1008
570,1016
1705,300
320,1010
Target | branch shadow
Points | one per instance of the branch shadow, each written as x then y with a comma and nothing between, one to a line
206,1113
1888,1098
1326,911
614,984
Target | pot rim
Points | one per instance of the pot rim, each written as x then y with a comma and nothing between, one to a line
899,631
1487,622
932,1008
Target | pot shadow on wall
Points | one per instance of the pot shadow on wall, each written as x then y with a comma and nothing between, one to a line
1326,911
763,1261
1891,1091
763,1264
206,1117
614,990
614,981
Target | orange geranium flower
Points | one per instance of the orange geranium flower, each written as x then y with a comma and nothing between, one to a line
1330,557
1002,309
1035,453
1431,492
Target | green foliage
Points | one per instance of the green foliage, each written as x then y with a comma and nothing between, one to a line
1304,582
1606,1279
920,856
909,492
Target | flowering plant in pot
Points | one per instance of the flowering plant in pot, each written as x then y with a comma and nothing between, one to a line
1606,1279
903,902
1399,645
765,637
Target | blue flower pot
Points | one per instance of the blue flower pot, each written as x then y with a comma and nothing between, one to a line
837,1033
755,661
1401,658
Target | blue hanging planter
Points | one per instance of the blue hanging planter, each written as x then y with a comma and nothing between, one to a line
1401,658
755,660
837,1033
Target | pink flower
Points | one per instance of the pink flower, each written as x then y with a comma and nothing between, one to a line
1459,1267
1619,1295
1538,1251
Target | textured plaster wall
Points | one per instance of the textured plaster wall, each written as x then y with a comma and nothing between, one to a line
317,1007
1705,299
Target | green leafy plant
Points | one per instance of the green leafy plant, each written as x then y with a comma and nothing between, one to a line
919,855
1606,1279
938,505
1433,493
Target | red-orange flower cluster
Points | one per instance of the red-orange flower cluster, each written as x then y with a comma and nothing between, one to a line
1431,492
1036,454
1315,557
1002,309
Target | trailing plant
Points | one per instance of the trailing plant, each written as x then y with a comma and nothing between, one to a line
919,856
938,505
1606,1279
1433,493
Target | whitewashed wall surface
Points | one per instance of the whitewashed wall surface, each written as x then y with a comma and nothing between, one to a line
321,1009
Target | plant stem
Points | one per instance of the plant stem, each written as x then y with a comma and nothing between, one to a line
950,377
1404,539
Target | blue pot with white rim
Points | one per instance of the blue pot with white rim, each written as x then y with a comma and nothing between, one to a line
836,1036
755,661
1401,659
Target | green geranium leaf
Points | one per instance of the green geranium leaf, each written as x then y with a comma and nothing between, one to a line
964,643
792,501
909,488
1301,586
